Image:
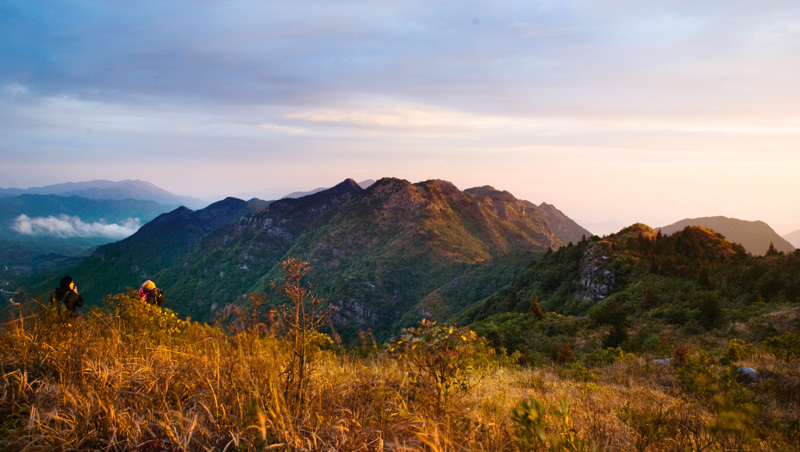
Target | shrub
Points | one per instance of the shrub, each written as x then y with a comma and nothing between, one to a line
139,318
439,357
785,347
737,350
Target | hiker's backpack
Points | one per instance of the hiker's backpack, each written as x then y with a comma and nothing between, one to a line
156,297
58,305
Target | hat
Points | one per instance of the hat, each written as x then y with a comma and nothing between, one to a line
65,282
148,285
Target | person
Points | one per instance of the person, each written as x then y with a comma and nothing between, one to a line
67,298
151,294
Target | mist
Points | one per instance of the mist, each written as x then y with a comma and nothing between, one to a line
65,226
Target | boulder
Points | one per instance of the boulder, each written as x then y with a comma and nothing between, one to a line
747,375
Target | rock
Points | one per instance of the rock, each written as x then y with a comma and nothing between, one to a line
662,362
747,375
597,278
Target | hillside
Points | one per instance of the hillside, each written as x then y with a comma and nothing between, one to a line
755,236
157,245
632,288
376,252
675,341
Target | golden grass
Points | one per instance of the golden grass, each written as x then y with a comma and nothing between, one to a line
104,384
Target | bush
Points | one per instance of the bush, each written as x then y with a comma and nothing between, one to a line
139,318
785,347
439,357
737,350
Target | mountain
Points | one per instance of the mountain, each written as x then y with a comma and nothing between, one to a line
575,278
376,252
155,246
755,236
104,189
229,261
793,238
641,290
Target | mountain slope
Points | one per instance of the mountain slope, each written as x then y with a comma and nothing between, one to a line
376,252
641,290
226,263
576,278
157,245
755,236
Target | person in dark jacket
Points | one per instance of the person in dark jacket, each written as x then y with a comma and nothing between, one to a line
67,298
151,294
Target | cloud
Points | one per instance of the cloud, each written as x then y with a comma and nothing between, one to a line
65,226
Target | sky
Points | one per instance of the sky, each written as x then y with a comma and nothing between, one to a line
614,111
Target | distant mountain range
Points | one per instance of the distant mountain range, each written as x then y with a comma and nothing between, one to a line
755,236
105,189
88,210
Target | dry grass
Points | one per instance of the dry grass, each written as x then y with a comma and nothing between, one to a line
105,384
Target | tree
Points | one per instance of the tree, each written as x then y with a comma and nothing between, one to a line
771,251
565,353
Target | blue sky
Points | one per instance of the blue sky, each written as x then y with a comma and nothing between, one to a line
615,111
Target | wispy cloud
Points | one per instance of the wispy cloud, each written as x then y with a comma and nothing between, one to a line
65,226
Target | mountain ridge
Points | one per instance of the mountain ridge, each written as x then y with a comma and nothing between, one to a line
377,251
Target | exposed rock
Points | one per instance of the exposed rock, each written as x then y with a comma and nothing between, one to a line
597,277
662,362
747,375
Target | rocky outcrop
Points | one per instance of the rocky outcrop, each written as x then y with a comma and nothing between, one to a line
597,276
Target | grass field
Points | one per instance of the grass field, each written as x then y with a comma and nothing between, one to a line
136,378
